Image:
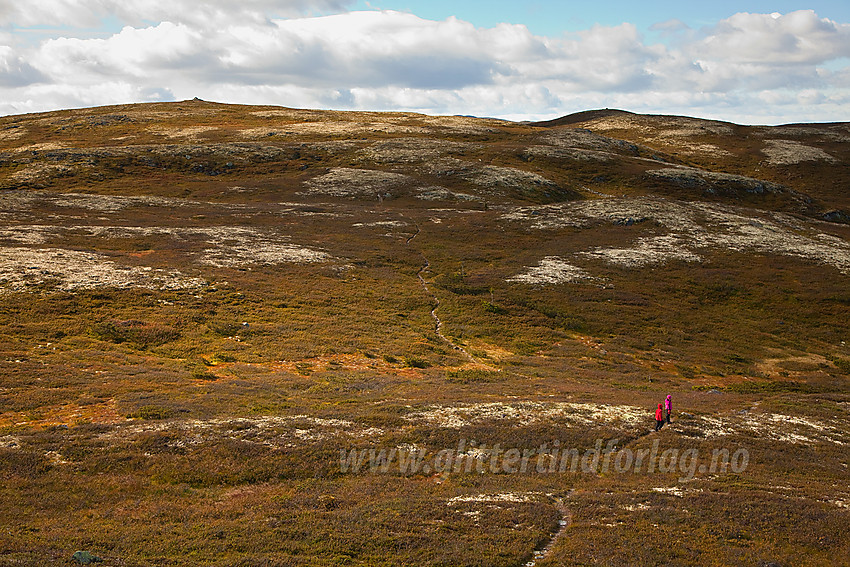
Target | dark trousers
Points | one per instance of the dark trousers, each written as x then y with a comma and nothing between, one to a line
659,423
668,415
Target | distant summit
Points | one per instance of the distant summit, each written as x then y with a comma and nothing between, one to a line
583,116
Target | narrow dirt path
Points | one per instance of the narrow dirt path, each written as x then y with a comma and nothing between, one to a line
563,524
438,323
566,517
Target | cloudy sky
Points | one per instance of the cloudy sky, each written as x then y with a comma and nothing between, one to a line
747,61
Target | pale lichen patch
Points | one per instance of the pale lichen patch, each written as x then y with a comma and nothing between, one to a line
653,250
190,132
239,246
514,497
69,270
271,431
411,150
524,413
22,200
224,246
674,127
41,147
12,133
790,152
351,183
777,427
331,128
29,234
551,270
672,490
497,178
692,229
440,194
383,224
37,171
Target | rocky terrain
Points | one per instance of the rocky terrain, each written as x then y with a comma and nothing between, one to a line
236,335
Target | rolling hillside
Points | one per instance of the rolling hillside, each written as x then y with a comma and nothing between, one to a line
205,308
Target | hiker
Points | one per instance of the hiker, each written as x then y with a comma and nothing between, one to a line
659,418
668,406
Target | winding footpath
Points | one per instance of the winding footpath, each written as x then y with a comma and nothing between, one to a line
566,518
563,524
438,323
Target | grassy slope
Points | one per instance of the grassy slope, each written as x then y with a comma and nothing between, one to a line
203,425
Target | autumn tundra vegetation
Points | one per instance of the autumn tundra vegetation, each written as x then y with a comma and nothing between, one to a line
257,336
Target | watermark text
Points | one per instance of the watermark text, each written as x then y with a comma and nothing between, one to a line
604,457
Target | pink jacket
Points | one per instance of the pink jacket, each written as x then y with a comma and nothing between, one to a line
668,403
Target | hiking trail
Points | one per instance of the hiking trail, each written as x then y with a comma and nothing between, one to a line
563,524
438,323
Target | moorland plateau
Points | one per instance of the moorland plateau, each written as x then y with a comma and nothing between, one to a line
204,308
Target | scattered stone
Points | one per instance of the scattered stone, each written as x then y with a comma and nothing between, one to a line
837,216
628,221
328,502
85,558
712,182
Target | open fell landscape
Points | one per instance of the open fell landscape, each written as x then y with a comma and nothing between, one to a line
209,313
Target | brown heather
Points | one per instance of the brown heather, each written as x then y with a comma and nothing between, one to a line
202,304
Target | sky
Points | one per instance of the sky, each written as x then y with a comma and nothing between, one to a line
750,62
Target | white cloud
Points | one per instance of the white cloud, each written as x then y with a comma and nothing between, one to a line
132,54
239,52
90,13
15,71
794,38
